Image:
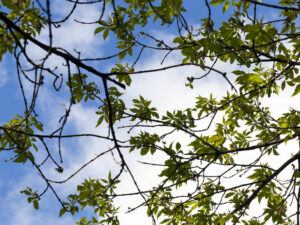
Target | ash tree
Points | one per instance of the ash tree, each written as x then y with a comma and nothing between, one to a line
227,164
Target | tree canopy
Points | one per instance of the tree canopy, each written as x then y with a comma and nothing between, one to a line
225,159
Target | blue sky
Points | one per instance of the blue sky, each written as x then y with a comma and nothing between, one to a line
14,208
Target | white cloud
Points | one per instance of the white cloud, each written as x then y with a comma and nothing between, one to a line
167,91
74,35
3,78
70,36
167,88
3,72
23,213
14,208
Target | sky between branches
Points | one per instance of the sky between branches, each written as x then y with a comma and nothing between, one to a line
166,90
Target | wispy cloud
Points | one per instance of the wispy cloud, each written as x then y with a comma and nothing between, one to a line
3,73
167,91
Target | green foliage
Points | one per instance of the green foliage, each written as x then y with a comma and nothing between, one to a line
117,107
80,88
123,71
95,194
231,139
33,197
142,111
17,136
30,20
144,141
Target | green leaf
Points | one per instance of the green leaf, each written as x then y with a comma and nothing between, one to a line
297,174
105,34
98,30
122,55
99,121
144,150
297,90
39,126
228,195
36,204
22,158
226,5
102,211
216,2
127,80
238,72
297,79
